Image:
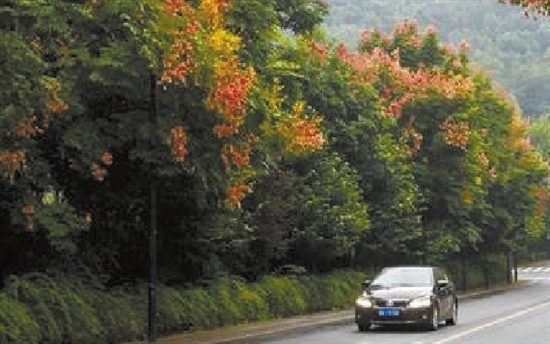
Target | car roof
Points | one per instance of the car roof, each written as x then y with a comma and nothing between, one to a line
432,269
410,267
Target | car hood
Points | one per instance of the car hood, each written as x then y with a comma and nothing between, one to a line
400,292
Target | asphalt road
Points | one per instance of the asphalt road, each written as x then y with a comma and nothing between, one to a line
516,316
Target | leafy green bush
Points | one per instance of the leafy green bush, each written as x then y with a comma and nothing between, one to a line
42,308
62,307
254,307
282,295
122,313
16,323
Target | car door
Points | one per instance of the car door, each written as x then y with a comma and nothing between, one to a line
451,291
444,294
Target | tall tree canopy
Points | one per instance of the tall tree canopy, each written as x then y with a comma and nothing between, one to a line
373,152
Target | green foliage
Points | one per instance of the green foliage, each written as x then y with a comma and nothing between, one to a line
367,199
283,295
539,132
477,272
122,313
39,308
16,322
300,15
62,225
334,216
58,305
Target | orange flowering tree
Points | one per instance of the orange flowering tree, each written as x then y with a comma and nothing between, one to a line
541,7
425,87
358,129
525,173
31,98
416,134
430,90
205,52
75,110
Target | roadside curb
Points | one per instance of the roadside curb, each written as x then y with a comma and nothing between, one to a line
253,332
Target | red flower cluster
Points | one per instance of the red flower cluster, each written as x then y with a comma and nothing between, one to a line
177,7
98,170
27,128
413,138
232,87
319,50
11,162
400,85
239,157
308,136
224,130
456,133
178,63
107,158
99,173
58,107
178,142
236,193
301,134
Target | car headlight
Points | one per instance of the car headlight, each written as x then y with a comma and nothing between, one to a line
363,302
423,302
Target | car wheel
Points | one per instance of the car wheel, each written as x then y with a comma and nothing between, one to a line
435,319
363,328
454,315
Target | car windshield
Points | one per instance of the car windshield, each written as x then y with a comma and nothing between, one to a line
403,277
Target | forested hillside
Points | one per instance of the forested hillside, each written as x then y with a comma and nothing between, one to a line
515,51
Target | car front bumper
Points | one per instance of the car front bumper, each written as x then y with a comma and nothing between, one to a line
407,316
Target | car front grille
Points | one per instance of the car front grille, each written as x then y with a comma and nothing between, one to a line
390,303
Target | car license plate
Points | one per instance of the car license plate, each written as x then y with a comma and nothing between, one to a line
388,312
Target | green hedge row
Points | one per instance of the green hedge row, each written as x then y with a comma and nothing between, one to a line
38,308
475,274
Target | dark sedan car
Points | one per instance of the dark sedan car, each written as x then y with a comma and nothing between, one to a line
420,295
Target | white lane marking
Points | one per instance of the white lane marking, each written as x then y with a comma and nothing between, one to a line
492,323
537,269
546,269
526,269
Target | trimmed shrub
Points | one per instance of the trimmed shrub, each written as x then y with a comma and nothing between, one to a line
62,307
37,308
283,296
16,323
253,306
123,315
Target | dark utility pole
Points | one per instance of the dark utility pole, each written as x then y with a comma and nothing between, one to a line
153,268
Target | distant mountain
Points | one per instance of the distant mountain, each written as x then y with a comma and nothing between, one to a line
513,49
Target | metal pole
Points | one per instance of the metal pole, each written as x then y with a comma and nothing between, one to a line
515,266
153,268
509,267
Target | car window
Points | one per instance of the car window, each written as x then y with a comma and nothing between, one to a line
440,274
406,277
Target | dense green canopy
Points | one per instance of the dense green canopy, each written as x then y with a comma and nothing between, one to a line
271,143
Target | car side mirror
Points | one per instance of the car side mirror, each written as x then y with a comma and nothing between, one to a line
442,284
366,284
